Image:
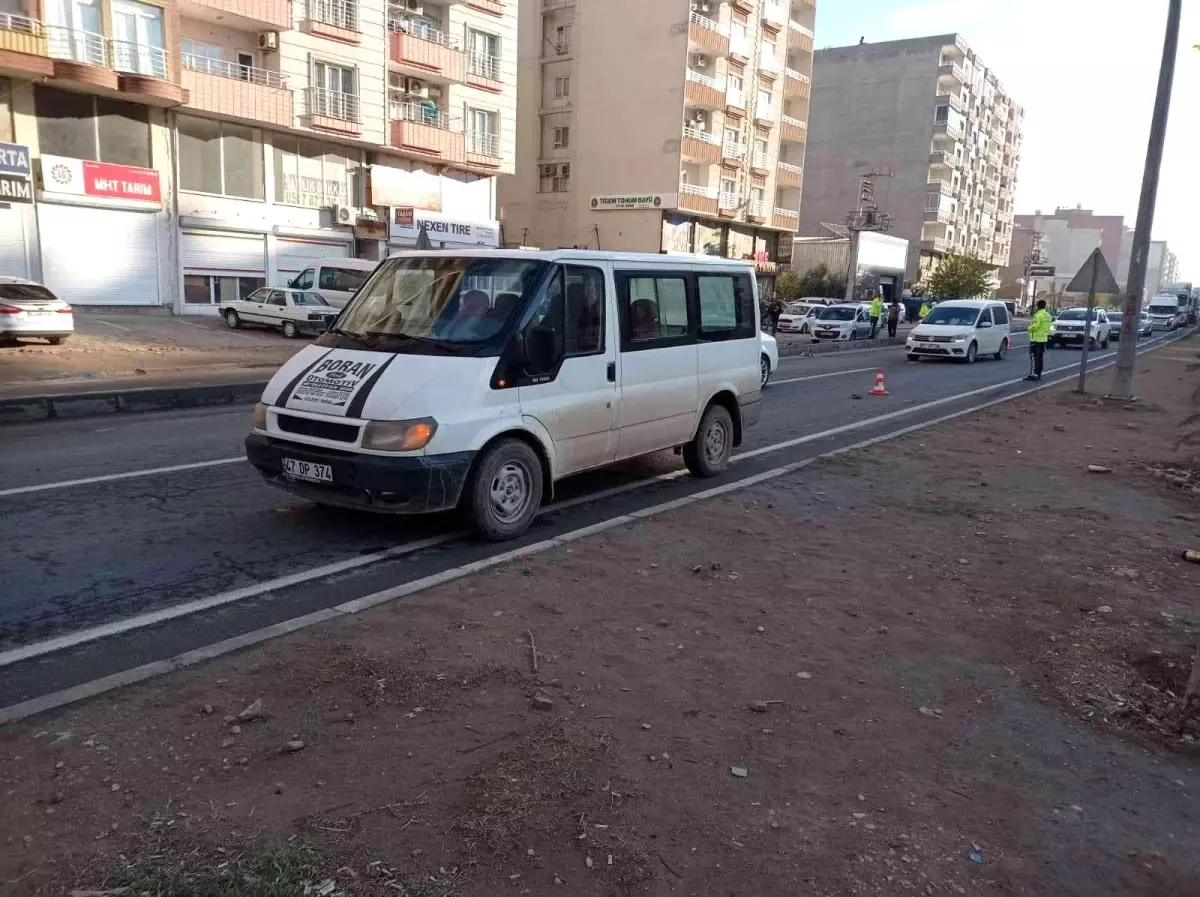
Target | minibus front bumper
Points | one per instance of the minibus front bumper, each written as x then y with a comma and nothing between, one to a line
385,485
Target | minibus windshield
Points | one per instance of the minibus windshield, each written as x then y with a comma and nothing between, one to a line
439,300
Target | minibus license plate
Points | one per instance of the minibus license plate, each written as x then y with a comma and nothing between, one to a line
307,470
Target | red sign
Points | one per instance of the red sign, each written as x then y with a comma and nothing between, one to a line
83,178
121,182
405,216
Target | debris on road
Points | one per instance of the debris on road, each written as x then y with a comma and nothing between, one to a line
740,771
252,712
292,746
1098,468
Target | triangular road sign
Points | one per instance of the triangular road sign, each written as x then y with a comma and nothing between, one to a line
1094,275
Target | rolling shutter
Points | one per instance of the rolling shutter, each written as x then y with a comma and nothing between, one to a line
12,243
294,256
221,253
99,256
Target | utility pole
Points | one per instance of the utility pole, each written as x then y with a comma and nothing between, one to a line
1035,256
1127,352
866,218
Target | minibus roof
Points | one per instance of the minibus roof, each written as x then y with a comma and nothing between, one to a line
584,255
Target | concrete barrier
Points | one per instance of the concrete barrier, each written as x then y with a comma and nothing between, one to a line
24,409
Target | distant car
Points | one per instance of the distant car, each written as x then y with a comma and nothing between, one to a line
1068,328
1145,324
962,330
769,363
847,321
798,317
28,309
292,311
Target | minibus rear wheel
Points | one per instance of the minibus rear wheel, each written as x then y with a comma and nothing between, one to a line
504,491
708,453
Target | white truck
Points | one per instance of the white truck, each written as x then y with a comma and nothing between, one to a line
1187,300
1164,311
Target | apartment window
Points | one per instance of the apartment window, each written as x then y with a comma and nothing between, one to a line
311,174
483,134
98,129
732,136
339,13
655,308
562,87
220,157
138,38
758,201
484,50
734,82
562,39
764,98
760,148
562,137
203,57
334,92
555,178
726,306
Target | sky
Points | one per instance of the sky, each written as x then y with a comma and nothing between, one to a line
1086,72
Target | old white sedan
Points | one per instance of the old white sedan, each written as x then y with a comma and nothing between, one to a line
291,311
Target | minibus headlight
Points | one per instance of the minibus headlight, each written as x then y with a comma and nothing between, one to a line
399,435
259,415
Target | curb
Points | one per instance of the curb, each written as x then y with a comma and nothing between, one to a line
25,409
839,346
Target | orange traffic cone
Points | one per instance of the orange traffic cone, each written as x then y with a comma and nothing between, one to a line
879,389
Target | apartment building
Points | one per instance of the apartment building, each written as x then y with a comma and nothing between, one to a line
1065,239
1162,265
666,126
930,114
182,151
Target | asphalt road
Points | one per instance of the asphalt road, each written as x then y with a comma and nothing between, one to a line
110,551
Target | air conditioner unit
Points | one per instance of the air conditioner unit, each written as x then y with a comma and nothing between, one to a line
699,119
548,171
343,215
565,169
416,87
699,61
268,40
395,80
415,6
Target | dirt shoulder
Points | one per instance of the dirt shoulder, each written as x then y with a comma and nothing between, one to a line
945,665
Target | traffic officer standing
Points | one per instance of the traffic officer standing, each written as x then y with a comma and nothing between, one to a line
876,313
925,310
1039,333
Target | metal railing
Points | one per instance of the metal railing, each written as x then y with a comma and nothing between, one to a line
703,79
786,213
757,208
333,104
138,59
430,116
698,190
761,160
799,76
21,25
339,13
794,122
788,166
705,22
483,65
226,69
943,216
703,136
483,143
735,97
727,200
769,62
424,30
796,26
765,112
954,70
772,11
77,45
732,150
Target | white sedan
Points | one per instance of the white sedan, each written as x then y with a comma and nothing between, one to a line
28,309
292,311
769,362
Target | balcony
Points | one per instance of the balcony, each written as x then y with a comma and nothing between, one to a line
732,153
245,15
943,187
143,72
799,37
81,57
735,101
332,110
937,245
944,158
427,52
939,214
483,71
695,198
333,19
707,36
774,14
727,204
700,146
945,128
483,148
785,219
760,164
756,211
952,70
744,6
703,91
953,99
765,115
769,65
490,7
788,175
236,91
24,47
797,84
792,130
740,47
427,131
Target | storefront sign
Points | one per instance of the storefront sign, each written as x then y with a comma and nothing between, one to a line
405,216
625,203
476,233
15,189
101,179
368,228
787,240
14,159
396,187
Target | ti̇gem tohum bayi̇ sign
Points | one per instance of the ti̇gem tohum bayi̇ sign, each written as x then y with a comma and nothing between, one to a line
628,201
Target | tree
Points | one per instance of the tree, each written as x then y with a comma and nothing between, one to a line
959,277
819,281
788,287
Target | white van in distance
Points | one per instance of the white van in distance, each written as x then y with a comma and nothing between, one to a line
477,379
335,280
962,330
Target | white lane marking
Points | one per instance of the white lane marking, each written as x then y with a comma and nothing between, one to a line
819,376
95,633
95,687
111,324
110,477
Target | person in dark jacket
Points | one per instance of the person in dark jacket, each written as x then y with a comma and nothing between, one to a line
893,318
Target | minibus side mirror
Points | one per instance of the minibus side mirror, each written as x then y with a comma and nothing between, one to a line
543,348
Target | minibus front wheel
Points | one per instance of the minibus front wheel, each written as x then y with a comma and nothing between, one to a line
505,490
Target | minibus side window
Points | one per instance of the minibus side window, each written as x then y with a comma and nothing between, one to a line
654,309
726,306
585,311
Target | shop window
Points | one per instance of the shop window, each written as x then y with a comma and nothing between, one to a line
311,174
220,157
95,128
207,289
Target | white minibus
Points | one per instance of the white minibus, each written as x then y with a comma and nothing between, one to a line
336,280
477,379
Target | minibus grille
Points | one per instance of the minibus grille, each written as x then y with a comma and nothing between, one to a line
318,429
